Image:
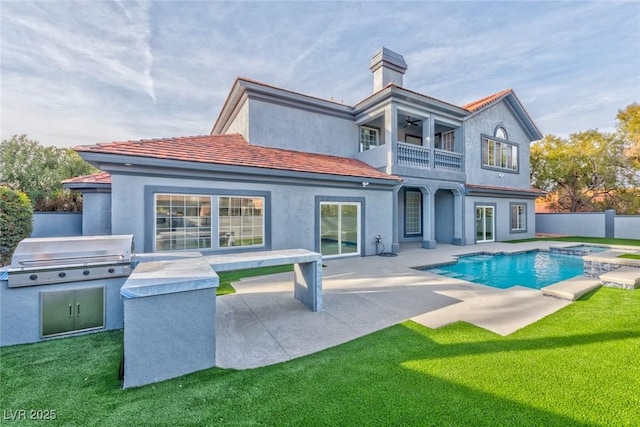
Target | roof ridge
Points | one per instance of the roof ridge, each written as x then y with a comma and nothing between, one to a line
479,103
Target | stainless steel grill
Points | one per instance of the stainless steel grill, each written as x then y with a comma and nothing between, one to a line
43,261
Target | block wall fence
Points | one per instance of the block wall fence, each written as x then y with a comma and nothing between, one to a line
592,224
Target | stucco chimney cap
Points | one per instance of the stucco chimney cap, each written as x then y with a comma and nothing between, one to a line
389,59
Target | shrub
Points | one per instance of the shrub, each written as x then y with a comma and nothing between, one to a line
16,216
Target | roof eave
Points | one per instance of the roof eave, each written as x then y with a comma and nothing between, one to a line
244,88
512,100
473,190
114,163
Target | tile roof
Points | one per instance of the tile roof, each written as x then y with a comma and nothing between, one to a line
476,105
234,150
96,178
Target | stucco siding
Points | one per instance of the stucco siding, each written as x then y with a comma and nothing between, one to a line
485,123
627,227
572,224
503,230
273,125
292,216
240,123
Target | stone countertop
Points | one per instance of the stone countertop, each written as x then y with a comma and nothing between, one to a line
241,260
167,277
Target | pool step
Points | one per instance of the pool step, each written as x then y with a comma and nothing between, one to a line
623,277
572,289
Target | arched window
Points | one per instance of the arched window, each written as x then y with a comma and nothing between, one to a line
500,132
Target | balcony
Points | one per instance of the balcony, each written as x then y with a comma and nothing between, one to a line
420,157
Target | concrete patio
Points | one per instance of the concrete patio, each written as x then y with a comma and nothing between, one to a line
263,324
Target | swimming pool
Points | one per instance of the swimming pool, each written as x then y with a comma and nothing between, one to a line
530,269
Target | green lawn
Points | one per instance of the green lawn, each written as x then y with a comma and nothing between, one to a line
596,240
630,256
578,366
228,277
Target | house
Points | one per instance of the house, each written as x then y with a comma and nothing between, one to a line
282,169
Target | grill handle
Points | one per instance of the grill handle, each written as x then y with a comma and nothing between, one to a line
69,260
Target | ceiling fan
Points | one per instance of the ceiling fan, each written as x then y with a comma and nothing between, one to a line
410,122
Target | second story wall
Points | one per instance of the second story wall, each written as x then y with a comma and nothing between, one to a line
281,126
240,123
484,124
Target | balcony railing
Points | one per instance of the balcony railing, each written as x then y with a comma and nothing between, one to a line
421,157
413,155
448,160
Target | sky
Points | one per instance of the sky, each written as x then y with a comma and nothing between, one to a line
76,73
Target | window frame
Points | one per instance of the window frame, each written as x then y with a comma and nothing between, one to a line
496,153
148,237
369,146
520,217
229,233
419,233
501,128
178,223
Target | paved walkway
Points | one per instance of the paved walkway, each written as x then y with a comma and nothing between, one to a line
263,324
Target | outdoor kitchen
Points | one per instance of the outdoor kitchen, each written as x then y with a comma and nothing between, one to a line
59,287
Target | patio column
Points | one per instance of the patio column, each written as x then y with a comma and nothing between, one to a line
428,218
458,224
395,239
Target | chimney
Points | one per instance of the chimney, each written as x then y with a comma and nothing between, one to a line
387,67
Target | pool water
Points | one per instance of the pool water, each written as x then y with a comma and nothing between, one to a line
530,269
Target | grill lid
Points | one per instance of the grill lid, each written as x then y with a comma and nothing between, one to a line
48,252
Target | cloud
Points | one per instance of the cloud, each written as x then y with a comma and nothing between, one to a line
94,42
95,71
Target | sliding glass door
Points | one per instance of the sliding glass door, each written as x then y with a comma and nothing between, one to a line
485,224
339,229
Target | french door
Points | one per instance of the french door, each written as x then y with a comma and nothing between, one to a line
339,228
485,224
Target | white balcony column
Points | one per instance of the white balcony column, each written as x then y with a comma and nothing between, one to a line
427,133
391,130
432,140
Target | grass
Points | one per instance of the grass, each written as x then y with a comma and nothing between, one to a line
575,367
228,277
596,240
630,256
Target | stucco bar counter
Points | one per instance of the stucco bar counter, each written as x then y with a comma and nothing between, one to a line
307,270
169,320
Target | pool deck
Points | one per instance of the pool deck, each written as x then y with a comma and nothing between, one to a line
261,324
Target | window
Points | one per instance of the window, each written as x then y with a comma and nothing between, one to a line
445,141
413,213
498,154
182,222
339,228
500,132
485,224
240,221
369,138
412,139
518,217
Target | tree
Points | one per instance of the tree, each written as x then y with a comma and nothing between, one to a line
586,172
38,171
16,215
629,129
